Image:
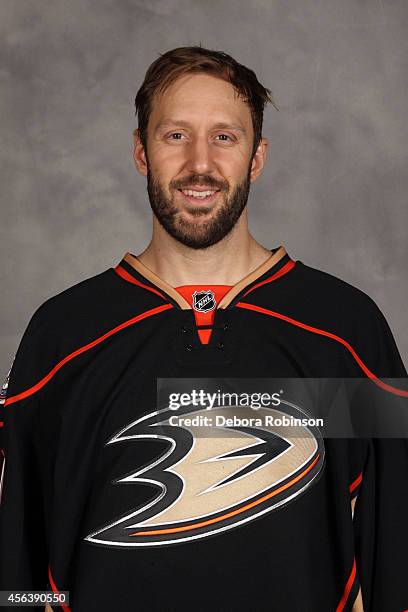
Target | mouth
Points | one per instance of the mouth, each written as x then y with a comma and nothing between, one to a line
197,197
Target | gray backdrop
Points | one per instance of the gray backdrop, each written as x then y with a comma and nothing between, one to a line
334,191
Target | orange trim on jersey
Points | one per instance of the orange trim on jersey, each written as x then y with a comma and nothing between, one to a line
126,276
56,591
82,349
322,332
347,588
284,270
233,512
356,482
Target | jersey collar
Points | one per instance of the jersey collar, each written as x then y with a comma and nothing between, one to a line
131,265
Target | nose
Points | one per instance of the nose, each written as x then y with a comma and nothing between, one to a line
199,156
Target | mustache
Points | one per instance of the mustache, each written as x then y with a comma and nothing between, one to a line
199,180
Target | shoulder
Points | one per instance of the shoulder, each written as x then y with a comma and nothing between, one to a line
326,291
317,298
73,319
314,301
85,311
42,343
91,307
352,314
74,299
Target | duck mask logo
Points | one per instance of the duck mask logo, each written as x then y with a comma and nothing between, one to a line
211,479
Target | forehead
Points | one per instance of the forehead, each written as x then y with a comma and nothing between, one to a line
198,97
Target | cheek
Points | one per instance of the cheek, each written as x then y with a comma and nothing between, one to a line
165,155
234,163
167,165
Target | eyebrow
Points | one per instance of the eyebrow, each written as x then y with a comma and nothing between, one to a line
221,125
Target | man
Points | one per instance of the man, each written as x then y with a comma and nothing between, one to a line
108,493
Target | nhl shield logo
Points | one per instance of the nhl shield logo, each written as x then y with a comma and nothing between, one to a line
203,301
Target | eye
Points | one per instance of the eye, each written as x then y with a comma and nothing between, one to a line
175,134
225,136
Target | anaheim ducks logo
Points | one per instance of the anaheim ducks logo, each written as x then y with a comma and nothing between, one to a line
210,480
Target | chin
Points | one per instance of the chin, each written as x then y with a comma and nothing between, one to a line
194,216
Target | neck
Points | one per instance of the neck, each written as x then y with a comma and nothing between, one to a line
224,263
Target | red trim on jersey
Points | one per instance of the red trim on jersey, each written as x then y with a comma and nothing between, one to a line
1,423
82,349
322,332
356,482
284,270
126,276
56,591
347,588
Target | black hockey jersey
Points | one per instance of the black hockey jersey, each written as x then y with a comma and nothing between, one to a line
105,498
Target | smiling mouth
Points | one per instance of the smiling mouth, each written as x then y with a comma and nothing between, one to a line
194,196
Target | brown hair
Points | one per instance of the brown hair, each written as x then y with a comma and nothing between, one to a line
177,62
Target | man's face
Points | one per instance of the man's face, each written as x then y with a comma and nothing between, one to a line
198,159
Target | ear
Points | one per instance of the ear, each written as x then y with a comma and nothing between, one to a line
139,154
259,159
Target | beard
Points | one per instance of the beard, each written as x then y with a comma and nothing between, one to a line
200,234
